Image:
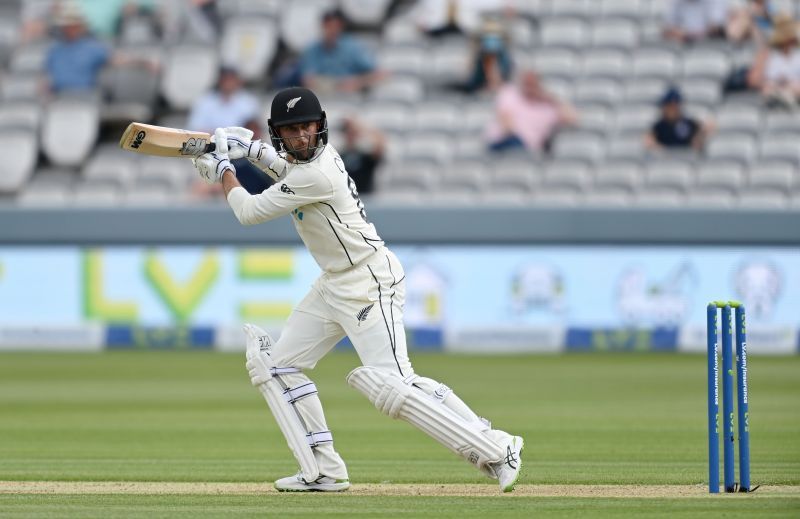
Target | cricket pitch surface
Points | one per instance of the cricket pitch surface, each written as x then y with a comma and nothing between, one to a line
376,489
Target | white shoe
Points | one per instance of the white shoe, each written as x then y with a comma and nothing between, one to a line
508,470
296,483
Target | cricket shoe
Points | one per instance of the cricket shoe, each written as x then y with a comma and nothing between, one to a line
508,469
296,483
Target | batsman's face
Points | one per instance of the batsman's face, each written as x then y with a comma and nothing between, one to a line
300,139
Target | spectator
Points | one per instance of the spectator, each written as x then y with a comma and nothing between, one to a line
442,17
229,105
75,60
362,153
338,62
776,69
103,18
693,20
527,116
138,22
674,130
492,61
753,20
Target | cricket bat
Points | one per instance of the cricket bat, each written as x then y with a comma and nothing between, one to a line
165,142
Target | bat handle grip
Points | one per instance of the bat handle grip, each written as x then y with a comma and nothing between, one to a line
210,147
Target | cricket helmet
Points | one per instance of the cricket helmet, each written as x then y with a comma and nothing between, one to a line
297,105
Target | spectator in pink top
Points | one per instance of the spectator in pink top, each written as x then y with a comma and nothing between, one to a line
527,116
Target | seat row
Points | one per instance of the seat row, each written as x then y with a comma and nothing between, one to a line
778,177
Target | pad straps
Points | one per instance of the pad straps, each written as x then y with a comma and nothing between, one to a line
293,394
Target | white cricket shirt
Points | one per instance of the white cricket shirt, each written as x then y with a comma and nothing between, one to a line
326,210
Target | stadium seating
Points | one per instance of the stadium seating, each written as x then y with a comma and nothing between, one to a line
130,93
250,43
365,12
69,129
20,114
18,146
20,87
604,56
190,70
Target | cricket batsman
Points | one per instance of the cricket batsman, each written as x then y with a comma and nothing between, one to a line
360,294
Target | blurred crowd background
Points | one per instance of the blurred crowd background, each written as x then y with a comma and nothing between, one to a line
606,103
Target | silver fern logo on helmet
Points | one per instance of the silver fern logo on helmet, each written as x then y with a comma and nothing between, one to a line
292,102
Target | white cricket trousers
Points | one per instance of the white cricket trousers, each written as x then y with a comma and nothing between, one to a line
365,303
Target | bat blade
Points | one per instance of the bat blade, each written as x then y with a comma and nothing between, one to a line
165,142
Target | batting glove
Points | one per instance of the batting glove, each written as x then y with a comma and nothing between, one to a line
212,165
240,146
237,139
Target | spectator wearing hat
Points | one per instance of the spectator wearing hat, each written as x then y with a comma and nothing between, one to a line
527,116
695,20
74,61
674,130
491,63
776,69
338,62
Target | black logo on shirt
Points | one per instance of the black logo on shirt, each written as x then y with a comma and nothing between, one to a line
286,189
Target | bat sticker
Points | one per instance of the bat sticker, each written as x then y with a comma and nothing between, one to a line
137,141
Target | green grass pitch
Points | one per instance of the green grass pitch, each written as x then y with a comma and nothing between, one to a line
635,421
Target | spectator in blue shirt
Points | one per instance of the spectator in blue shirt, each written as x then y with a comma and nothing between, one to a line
74,61
229,104
338,62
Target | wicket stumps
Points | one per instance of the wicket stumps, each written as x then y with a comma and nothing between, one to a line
727,397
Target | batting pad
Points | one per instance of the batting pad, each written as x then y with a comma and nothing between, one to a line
289,424
394,397
281,402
